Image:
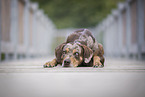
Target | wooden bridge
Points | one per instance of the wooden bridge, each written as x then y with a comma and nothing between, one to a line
119,78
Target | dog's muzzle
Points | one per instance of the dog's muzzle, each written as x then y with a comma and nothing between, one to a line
66,63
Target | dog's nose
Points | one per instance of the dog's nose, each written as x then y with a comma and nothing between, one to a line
67,62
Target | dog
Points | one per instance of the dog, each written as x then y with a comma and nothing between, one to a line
80,50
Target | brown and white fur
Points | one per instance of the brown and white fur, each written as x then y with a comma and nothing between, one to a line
80,50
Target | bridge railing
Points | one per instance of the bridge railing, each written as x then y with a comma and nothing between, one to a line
25,31
124,30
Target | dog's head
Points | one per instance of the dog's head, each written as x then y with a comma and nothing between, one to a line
73,54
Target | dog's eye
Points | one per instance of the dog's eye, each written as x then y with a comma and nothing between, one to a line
76,54
64,52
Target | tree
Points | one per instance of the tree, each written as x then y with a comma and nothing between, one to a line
77,13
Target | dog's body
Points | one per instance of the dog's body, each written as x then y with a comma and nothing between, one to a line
80,50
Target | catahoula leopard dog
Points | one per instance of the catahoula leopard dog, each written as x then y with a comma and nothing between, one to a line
80,50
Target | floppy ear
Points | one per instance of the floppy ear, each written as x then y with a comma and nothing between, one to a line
88,53
58,52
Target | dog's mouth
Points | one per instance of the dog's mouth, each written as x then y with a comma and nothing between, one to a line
67,63
66,66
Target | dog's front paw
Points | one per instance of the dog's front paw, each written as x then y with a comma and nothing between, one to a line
97,64
49,65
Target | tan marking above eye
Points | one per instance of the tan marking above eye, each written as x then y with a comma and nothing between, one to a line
67,49
74,51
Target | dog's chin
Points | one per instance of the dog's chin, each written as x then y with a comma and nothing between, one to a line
67,65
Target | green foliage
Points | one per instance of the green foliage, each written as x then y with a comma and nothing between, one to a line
77,13
2,56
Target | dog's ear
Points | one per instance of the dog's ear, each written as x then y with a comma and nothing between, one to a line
58,52
88,53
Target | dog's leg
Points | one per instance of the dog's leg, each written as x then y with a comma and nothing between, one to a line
97,62
52,63
98,59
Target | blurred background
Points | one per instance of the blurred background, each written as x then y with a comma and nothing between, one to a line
33,28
